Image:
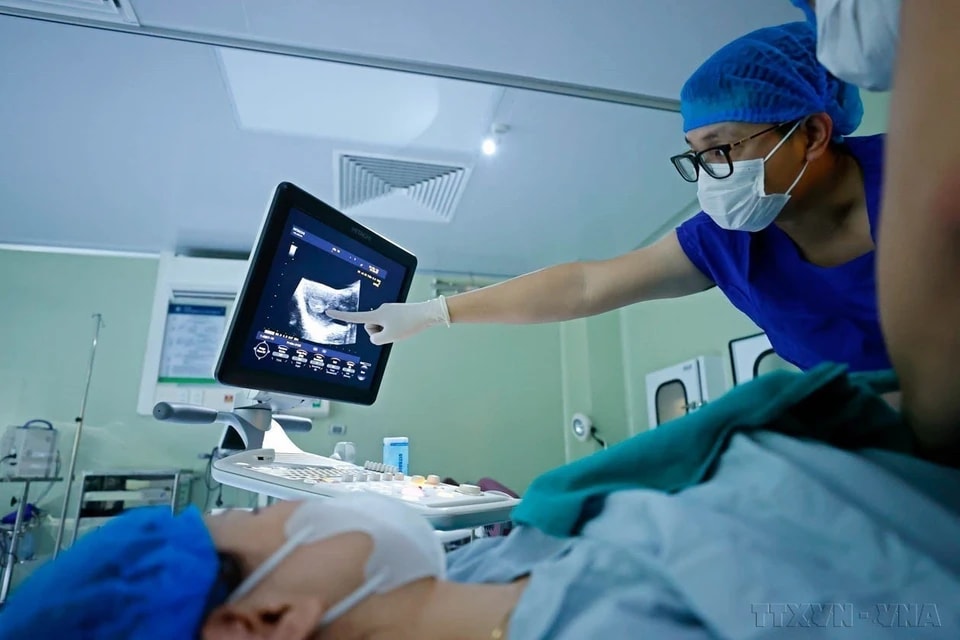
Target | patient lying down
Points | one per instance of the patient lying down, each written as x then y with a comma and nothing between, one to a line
788,538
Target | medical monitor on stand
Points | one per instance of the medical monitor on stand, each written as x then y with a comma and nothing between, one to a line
311,258
280,343
283,347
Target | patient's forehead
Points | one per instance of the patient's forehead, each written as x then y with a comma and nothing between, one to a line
250,531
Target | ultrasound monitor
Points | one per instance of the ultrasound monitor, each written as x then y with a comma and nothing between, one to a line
311,258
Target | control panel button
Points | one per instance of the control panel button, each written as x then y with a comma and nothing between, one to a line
469,489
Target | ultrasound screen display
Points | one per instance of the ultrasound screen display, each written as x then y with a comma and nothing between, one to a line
317,268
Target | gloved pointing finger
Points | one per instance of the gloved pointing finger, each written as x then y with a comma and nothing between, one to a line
395,321
354,317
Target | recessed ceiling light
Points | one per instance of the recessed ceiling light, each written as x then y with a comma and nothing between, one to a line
492,141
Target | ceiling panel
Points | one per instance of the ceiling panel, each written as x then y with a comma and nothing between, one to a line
642,46
298,96
221,17
121,142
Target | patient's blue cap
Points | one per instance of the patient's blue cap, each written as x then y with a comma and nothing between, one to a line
145,574
769,76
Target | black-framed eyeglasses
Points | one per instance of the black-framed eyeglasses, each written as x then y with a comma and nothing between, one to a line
715,160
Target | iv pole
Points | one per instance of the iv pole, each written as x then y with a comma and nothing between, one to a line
98,324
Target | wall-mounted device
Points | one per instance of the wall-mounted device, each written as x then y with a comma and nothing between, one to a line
29,451
193,300
753,356
678,390
583,430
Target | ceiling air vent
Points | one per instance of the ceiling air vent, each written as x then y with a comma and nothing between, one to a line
113,11
404,189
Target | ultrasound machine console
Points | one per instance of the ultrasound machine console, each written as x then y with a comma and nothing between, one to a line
310,258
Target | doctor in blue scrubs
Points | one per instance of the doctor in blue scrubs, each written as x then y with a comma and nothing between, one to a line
790,206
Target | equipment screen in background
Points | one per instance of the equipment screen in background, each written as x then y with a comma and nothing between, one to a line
317,268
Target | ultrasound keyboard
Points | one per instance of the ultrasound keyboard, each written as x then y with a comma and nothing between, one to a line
296,476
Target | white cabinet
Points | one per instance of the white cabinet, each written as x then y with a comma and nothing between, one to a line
676,391
752,356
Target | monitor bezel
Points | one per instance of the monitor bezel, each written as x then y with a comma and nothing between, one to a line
230,370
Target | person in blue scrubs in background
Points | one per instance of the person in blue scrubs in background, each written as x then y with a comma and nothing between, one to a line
787,232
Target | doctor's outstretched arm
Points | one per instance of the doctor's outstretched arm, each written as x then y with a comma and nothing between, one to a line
563,292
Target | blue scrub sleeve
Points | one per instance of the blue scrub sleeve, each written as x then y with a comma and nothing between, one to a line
692,237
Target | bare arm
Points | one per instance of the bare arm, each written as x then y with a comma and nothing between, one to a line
580,289
919,247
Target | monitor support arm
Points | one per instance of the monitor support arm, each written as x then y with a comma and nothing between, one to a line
257,423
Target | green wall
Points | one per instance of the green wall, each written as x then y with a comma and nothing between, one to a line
666,332
595,380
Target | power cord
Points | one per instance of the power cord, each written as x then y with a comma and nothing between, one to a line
210,484
26,425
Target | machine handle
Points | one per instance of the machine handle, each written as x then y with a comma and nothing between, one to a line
294,424
187,413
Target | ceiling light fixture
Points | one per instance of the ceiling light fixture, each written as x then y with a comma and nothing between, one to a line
489,146
491,143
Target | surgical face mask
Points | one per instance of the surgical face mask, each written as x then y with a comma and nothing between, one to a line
857,41
405,546
739,202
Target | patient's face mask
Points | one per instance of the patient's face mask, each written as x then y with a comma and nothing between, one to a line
405,546
739,202
857,41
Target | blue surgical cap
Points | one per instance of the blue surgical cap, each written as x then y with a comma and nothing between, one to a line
769,76
145,574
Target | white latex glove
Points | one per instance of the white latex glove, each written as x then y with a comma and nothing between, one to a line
395,321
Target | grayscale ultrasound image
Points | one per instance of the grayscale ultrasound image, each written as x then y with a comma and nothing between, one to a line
308,309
